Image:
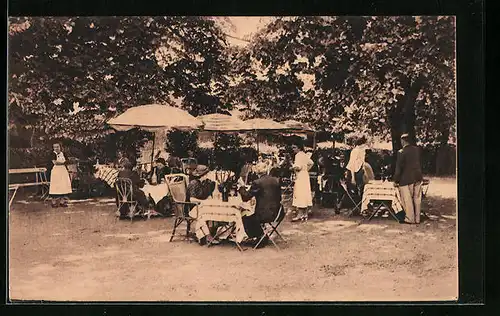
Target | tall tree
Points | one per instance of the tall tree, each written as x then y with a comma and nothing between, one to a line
72,73
381,75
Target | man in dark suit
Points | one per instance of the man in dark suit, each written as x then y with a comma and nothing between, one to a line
267,193
408,177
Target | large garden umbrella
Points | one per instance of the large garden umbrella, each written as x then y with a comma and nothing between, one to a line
222,123
264,125
154,118
299,127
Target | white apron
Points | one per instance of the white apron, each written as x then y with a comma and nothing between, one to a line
60,184
302,195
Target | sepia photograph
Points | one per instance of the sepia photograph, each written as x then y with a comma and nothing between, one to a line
232,159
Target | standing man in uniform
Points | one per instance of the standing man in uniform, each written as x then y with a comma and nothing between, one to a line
408,177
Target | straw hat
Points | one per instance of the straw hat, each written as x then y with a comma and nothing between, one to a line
200,171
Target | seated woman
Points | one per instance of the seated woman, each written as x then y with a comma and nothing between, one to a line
137,183
199,188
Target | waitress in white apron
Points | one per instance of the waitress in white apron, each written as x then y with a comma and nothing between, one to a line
302,195
60,183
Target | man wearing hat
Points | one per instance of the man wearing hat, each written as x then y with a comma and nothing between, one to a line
197,188
408,177
267,193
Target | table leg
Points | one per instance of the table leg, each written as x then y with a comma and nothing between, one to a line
391,211
375,212
237,243
13,196
220,233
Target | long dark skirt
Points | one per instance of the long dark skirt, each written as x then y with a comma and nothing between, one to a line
252,226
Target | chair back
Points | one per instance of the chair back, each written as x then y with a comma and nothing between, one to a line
124,189
280,216
177,186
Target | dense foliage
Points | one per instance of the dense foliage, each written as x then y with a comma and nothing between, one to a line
379,76
68,75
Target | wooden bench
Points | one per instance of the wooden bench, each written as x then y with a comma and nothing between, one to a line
40,180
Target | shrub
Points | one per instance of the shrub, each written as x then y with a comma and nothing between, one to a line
227,152
179,142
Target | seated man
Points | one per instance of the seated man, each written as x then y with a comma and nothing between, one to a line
137,184
267,193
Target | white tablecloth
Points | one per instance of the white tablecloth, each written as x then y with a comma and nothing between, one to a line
215,210
107,174
381,191
157,192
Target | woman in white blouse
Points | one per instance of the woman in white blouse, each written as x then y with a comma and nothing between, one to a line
302,195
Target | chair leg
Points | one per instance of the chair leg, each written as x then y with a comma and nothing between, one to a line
177,222
279,235
274,243
260,240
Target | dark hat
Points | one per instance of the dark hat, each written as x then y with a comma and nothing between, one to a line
125,163
161,160
200,171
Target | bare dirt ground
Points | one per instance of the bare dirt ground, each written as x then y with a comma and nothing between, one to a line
82,253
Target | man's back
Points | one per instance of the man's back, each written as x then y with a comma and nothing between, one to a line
268,197
408,166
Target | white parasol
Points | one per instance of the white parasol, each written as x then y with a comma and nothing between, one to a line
222,123
154,118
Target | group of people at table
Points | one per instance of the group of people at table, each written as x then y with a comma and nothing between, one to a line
266,189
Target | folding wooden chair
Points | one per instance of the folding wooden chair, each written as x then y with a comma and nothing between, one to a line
329,191
177,185
425,187
355,199
271,228
125,192
287,189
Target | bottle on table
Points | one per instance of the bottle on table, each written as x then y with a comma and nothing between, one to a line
153,178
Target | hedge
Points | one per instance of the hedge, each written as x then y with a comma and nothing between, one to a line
435,160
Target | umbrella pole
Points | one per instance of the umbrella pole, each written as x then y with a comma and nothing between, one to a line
314,141
257,141
153,150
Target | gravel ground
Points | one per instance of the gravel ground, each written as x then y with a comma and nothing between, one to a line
82,253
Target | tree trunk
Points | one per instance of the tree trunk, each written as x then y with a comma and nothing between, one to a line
32,137
408,123
402,118
394,120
